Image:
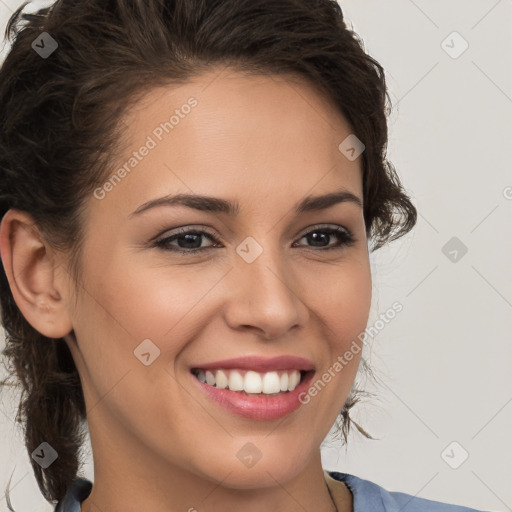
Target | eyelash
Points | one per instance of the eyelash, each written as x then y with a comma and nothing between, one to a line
344,236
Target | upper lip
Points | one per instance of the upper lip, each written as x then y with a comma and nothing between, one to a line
261,364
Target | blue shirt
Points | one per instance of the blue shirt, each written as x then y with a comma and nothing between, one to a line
367,497
370,497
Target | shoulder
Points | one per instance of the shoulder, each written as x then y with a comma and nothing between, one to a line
370,497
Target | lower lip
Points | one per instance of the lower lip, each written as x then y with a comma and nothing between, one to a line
257,406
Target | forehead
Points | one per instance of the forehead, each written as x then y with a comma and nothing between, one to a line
228,133
231,105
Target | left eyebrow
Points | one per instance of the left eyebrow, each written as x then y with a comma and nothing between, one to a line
315,203
232,208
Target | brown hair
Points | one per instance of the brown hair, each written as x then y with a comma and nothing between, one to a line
60,126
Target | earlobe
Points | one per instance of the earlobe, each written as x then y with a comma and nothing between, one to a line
30,269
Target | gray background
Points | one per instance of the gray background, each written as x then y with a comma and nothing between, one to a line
443,362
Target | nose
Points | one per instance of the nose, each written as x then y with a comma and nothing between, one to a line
264,297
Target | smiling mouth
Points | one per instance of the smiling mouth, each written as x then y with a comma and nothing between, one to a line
251,382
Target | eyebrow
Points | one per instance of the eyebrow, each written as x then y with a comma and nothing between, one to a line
232,208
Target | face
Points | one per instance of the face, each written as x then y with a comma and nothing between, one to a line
173,289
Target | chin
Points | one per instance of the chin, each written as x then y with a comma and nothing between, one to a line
251,468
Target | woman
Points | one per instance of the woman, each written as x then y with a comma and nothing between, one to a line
189,194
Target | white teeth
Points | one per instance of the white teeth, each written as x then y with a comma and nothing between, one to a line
250,381
210,378
221,379
235,381
271,383
284,382
293,380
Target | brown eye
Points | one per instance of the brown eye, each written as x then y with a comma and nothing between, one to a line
188,241
320,238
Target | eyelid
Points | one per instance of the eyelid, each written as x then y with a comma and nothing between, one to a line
336,227
344,236
213,233
183,229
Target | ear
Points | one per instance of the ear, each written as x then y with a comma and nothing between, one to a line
30,266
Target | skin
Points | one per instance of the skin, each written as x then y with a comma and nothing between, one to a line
159,443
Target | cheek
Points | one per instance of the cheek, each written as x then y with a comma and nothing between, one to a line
115,316
170,306
338,297
120,312
148,302
343,302
341,297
